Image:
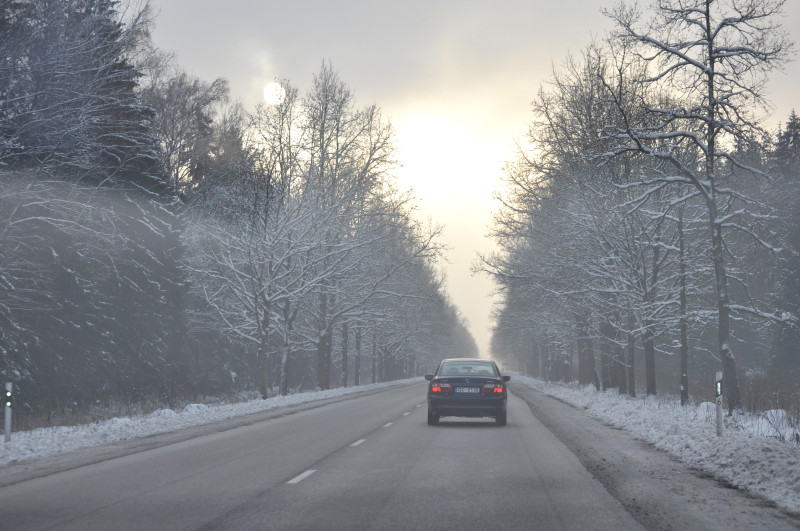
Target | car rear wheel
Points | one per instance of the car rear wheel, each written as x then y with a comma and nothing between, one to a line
500,419
433,419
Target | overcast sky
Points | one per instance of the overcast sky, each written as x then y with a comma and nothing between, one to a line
455,78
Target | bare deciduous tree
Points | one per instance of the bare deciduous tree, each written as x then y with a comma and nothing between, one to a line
712,56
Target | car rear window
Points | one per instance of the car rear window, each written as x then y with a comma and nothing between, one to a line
465,368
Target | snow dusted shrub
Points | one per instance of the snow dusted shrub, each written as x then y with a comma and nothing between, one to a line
763,392
774,423
194,408
707,410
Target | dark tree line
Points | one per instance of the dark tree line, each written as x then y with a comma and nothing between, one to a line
158,244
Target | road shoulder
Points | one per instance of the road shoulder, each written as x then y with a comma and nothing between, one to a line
659,491
17,472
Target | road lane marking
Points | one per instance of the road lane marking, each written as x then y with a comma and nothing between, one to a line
300,478
419,405
387,424
358,442
407,413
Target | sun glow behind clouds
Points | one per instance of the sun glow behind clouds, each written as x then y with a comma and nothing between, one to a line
274,93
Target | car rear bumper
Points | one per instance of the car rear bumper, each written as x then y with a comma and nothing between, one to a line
466,407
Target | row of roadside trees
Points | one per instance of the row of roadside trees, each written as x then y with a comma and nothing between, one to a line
651,211
160,243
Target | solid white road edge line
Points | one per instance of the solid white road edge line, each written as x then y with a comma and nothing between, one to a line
300,478
358,442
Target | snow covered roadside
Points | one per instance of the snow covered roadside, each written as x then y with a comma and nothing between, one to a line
34,444
743,456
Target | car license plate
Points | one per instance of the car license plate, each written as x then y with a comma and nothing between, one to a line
468,389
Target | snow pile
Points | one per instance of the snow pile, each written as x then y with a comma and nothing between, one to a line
748,455
48,441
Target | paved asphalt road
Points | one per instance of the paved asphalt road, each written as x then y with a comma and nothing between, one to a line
363,462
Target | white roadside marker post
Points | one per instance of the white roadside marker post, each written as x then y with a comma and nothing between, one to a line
8,413
718,393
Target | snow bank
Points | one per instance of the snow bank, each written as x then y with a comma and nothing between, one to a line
48,441
748,455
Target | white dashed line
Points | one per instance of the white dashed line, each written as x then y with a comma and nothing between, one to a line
358,442
301,477
419,405
406,413
387,424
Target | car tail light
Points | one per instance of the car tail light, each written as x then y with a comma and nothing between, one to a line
441,388
492,389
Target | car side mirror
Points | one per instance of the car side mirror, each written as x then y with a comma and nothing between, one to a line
429,377
506,378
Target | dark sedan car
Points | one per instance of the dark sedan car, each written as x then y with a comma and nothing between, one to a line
467,387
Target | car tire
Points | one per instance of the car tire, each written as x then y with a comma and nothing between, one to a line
433,419
500,419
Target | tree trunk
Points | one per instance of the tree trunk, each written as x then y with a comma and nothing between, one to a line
584,369
381,364
621,369
374,357
324,359
649,340
593,365
324,345
345,345
540,374
358,357
263,354
286,351
650,361
587,368
730,376
609,362
683,324
284,378
263,371
631,358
